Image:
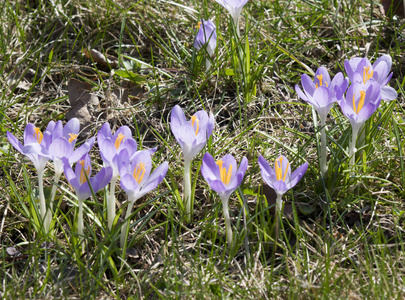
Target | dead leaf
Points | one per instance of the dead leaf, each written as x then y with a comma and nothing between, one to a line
396,6
82,102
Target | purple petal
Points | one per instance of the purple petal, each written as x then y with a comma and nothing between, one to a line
388,93
308,85
301,94
30,134
297,175
268,174
155,179
71,127
280,187
209,168
60,147
128,183
14,141
322,72
177,119
101,179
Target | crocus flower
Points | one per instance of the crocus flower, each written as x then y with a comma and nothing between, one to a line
361,70
361,101
280,178
137,180
223,176
192,135
206,35
110,147
321,94
35,149
80,179
234,7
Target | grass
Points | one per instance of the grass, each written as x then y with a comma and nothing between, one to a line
342,237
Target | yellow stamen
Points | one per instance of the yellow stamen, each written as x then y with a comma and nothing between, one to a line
139,172
361,102
198,25
320,77
195,120
278,168
367,74
285,174
83,177
38,135
72,137
225,176
119,140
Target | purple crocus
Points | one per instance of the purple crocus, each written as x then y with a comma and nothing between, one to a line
361,101
234,7
136,178
321,94
34,148
192,135
111,146
280,178
223,176
80,179
206,35
35,145
361,70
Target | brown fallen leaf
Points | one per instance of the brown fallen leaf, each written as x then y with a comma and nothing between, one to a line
398,7
82,102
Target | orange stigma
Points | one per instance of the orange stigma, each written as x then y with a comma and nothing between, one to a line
83,177
361,102
118,141
367,74
38,135
225,176
195,120
139,172
72,137
279,169
198,25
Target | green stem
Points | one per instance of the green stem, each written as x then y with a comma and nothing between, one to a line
42,204
80,220
352,150
125,227
80,225
279,204
324,167
228,227
111,203
187,189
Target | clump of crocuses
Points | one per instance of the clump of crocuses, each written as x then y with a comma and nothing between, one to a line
369,87
224,177
55,143
192,135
